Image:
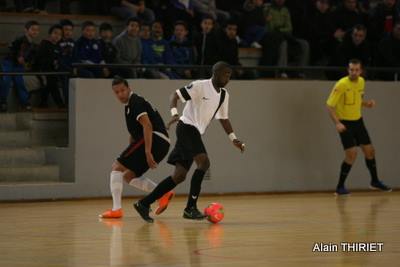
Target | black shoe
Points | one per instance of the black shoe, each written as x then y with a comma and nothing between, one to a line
193,214
143,212
378,185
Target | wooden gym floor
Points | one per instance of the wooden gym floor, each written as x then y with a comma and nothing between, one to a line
258,230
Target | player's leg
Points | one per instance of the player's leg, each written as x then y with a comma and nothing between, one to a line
203,164
116,185
169,183
370,161
369,152
350,157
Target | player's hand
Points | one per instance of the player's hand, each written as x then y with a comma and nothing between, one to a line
340,127
150,161
370,103
172,121
239,144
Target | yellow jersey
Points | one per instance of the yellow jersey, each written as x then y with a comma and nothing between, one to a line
346,97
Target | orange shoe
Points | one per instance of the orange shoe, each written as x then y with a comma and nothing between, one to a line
164,201
112,214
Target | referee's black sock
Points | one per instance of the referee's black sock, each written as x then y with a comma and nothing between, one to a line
164,187
371,165
344,171
195,187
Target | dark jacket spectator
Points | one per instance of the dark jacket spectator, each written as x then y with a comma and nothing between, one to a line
19,58
88,50
108,50
182,49
382,20
47,59
125,9
389,52
253,22
67,45
320,32
346,17
206,43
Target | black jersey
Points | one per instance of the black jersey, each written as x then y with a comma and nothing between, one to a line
137,107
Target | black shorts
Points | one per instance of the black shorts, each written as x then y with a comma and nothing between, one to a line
355,134
188,145
134,157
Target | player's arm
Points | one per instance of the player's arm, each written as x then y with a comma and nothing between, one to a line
331,107
148,139
226,124
369,103
173,104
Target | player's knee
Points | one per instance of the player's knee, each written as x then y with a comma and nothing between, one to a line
204,164
179,177
351,155
128,176
117,167
370,153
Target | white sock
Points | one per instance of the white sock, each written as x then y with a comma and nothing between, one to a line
116,188
143,184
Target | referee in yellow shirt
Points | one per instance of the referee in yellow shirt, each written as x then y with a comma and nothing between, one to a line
344,105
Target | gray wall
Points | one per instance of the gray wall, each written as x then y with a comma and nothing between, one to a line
291,143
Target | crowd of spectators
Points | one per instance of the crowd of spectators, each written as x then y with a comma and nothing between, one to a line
186,32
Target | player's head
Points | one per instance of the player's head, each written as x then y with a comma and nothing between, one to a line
221,73
354,69
121,89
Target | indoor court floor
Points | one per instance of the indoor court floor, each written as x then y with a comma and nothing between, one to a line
258,230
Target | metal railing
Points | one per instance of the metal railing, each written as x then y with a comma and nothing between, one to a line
260,70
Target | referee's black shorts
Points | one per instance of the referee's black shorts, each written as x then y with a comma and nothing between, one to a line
188,145
134,156
355,134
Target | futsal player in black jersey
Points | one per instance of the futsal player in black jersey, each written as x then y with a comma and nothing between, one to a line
205,100
149,144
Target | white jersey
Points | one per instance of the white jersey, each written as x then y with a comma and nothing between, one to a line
202,100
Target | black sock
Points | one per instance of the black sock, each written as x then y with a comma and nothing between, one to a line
164,187
371,164
344,171
195,187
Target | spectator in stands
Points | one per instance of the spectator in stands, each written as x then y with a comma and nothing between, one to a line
228,46
145,31
35,6
208,8
19,59
345,18
157,51
129,47
125,9
67,45
47,60
206,42
354,46
108,50
87,50
279,24
254,22
389,52
383,18
182,49
320,33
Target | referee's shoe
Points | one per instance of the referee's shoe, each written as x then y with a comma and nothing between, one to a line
378,185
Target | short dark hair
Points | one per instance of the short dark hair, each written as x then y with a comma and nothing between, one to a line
181,22
207,16
230,22
360,27
88,23
55,27
118,80
355,61
31,23
66,22
219,66
105,26
132,19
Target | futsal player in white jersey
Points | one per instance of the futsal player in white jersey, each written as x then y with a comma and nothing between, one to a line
204,100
